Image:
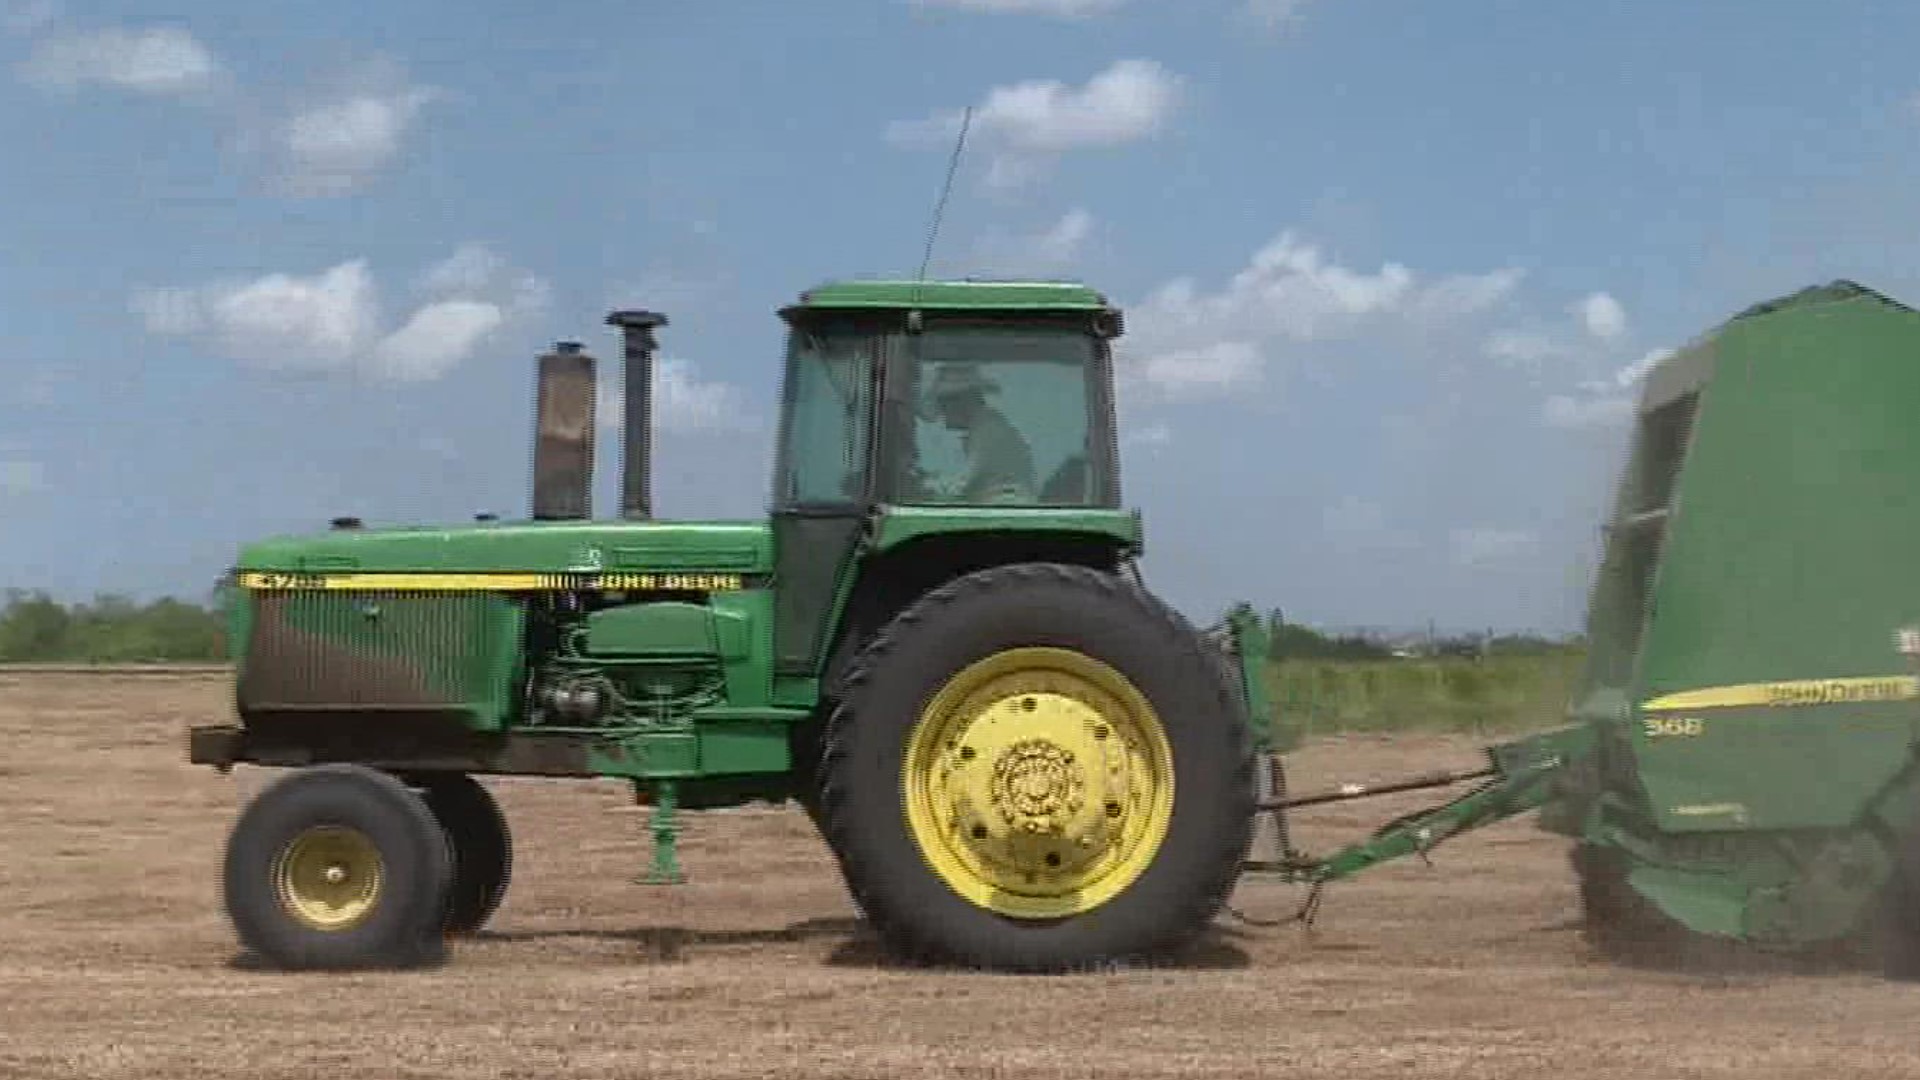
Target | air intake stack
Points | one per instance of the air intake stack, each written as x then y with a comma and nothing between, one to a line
636,478
563,435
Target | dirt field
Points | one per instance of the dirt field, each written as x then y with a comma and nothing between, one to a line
116,961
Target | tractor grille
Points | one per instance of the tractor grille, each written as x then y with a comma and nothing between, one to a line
381,652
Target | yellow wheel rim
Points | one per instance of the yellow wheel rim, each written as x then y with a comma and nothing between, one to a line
1038,783
329,877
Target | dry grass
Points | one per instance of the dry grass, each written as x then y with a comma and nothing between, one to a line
115,959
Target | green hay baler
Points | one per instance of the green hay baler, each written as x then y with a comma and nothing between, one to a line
1740,769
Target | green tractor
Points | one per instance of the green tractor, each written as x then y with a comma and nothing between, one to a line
938,644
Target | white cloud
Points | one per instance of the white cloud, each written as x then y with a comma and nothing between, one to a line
331,322
435,339
1466,294
1063,9
1479,546
1602,315
162,60
474,269
19,477
1197,374
471,268
323,321
1602,402
1062,243
683,402
342,137
1525,348
1025,126
1049,250
1187,343
1641,368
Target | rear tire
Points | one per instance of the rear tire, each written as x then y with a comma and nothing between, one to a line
1038,768
337,866
480,847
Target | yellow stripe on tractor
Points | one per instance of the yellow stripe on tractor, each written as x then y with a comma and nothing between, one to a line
282,581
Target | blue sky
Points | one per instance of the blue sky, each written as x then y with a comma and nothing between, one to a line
1391,267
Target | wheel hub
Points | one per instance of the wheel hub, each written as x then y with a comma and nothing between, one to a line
1033,781
329,877
1038,783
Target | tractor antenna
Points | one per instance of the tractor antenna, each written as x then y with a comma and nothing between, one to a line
940,208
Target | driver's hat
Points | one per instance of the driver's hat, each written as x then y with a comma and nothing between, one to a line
953,380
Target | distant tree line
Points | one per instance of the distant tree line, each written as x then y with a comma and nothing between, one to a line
108,629
1295,641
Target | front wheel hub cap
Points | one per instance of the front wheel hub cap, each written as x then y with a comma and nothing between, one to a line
329,878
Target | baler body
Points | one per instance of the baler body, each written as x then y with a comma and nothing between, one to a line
1751,767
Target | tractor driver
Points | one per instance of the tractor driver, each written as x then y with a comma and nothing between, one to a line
999,462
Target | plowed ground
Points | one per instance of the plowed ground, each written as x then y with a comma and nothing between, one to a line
116,960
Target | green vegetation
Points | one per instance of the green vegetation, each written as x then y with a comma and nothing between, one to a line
1446,693
34,628
1323,683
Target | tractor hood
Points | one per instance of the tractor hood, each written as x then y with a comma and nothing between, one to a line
533,547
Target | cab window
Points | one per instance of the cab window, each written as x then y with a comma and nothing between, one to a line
823,448
1007,416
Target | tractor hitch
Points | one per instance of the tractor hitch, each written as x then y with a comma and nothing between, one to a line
1346,792
1519,776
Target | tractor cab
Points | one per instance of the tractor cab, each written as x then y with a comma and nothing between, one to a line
951,394
932,428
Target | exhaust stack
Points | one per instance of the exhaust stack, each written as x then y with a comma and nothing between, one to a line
563,434
636,478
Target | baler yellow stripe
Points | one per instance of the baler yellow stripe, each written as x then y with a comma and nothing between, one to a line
488,581
1790,693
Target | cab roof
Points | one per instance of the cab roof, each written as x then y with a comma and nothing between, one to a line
963,295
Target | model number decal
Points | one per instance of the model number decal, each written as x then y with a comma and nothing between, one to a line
283,580
1660,727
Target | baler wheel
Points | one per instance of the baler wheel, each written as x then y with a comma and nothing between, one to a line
1038,768
337,866
479,844
1899,926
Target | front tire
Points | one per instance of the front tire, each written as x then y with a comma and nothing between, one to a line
337,866
1038,768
